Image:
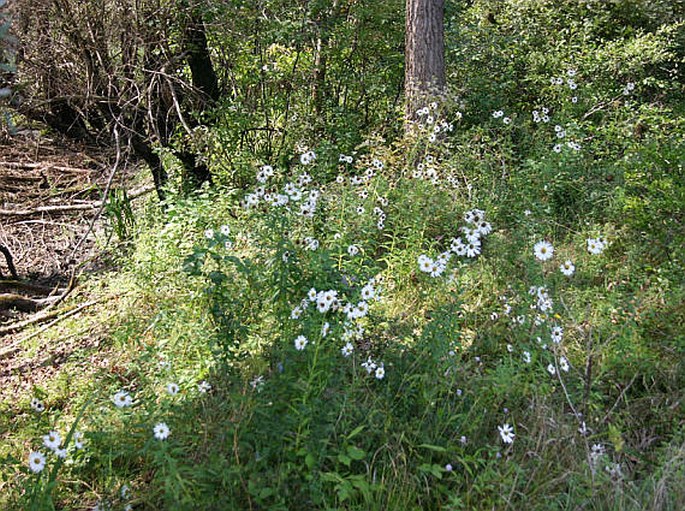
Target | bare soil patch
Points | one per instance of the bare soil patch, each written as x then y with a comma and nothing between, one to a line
51,198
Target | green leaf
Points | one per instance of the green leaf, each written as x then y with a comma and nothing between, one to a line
355,452
310,460
434,470
355,432
435,448
266,493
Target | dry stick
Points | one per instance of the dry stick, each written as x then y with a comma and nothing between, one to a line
71,207
23,303
51,302
12,348
41,166
104,195
37,318
620,397
25,286
8,258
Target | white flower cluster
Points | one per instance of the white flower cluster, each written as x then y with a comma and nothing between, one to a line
499,114
570,82
324,300
478,228
541,118
434,268
428,121
544,301
311,243
265,173
427,169
308,158
378,370
597,452
293,192
468,245
37,405
53,441
345,158
596,245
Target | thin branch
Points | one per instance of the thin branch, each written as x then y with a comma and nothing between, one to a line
115,167
70,207
12,348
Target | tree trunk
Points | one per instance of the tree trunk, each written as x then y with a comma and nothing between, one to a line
199,60
424,73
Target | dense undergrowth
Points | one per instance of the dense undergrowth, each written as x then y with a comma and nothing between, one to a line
487,313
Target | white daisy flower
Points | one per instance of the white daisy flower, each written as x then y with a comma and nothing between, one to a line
161,431
78,439
380,372
300,342
52,440
347,349
567,268
473,248
122,399
172,389
484,228
369,365
36,462
543,250
368,292
507,433
596,246
551,369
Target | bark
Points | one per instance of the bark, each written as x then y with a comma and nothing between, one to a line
424,52
199,60
10,263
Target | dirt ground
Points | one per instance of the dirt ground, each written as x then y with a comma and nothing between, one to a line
38,172
51,190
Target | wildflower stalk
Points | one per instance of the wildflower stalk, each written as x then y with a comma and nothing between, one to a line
52,480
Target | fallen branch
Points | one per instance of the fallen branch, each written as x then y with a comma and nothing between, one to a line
42,166
24,304
90,206
8,258
60,315
19,285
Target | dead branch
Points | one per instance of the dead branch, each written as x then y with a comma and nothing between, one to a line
90,206
10,264
23,303
18,285
41,166
59,315
105,194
